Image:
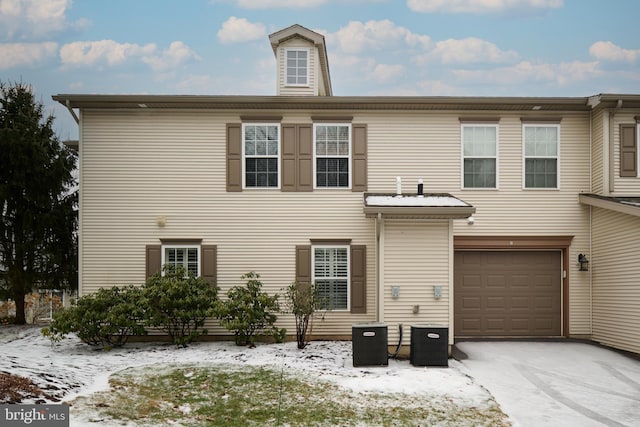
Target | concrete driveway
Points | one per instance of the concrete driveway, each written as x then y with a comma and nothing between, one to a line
556,383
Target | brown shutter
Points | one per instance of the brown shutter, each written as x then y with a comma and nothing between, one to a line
153,260
628,151
359,158
297,158
234,157
209,264
305,157
303,265
288,156
358,279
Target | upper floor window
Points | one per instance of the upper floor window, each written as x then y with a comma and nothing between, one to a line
297,67
479,154
332,144
541,154
331,276
261,144
187,256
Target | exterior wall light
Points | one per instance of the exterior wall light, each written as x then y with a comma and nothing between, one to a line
584,262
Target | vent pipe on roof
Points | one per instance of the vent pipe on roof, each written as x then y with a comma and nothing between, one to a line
398,186
420,188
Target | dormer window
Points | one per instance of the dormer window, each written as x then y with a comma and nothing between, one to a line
297,73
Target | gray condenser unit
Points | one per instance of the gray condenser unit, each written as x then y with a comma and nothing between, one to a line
429,346
369,344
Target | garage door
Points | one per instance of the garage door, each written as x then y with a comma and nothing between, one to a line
507,293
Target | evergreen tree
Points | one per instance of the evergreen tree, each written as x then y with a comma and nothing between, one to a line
38,239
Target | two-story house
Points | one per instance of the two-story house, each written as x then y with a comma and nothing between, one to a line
467,212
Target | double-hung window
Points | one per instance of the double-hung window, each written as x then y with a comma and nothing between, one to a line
186,256
480,154
331,276
297,68
261,151
332,150
541,155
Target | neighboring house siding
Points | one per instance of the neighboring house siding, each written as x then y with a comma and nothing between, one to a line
598,154
615,269
623,185
138,166
285,90
427,145
416,257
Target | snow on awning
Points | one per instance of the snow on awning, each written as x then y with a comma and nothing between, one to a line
428,206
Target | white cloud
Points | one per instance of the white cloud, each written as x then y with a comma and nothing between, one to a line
375,35
238,30
480,6
470,50
608,51
526,72
176,54
26,19
102,51
25,54
386,72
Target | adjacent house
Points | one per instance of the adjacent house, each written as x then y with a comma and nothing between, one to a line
467,212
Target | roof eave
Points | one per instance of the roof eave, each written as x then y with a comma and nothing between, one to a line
420,212
601,202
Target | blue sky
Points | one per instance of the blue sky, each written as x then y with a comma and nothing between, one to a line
375,47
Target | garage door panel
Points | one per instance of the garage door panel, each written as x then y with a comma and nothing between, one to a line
471,303
496,281
507,293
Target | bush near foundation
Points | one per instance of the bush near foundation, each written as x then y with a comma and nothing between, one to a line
105,318
179,303
249,312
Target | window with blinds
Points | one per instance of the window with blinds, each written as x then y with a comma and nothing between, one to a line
185,256
331,276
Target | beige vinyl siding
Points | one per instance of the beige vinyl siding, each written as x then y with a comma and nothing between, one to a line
416,257
427,145
283,89
138,166
622,185
615,269
598,155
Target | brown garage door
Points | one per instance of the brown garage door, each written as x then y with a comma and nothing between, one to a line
507,293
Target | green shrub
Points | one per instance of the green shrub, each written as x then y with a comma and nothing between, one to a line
105,318
178,304
248,311
302,301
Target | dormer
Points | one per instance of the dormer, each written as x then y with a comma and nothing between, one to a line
303,66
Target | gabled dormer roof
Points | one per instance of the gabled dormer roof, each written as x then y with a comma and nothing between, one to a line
298,31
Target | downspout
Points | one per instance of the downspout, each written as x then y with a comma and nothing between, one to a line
73,113
379,290
590,223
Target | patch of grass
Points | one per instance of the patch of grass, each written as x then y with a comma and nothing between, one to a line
198,395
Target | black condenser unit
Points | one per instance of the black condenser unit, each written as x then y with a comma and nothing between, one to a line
369,344
429,346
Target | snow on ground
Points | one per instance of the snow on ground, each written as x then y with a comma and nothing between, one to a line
70,368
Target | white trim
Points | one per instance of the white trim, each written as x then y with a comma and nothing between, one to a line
556,157
286,73
179,246
349,161
496,157
313,270
244,161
